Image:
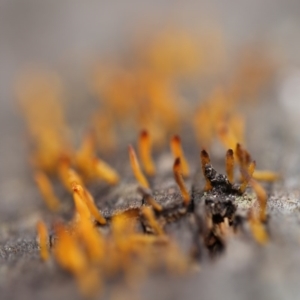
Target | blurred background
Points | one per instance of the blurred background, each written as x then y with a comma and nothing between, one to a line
69,37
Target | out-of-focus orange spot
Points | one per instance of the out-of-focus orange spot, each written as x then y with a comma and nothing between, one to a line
203,126
252,74
104,125
236,123
227,136
174,53
40,96
211,115
85,155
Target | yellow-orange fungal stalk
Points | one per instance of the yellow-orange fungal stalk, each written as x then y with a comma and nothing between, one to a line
124,226
144,146
68,252
262,199
135,166
85,204
177,151
92,239
47,191
247,176
205,160
93,208
67,175
257,228
248,158
106,172
119,247
268,176
156,206
148,214
244,159
239,153
177,170
77,250
251,168
74,177
243,156
147,194
230,165
81,207
43,239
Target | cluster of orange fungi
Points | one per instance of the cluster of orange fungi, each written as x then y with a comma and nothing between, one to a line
142,98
